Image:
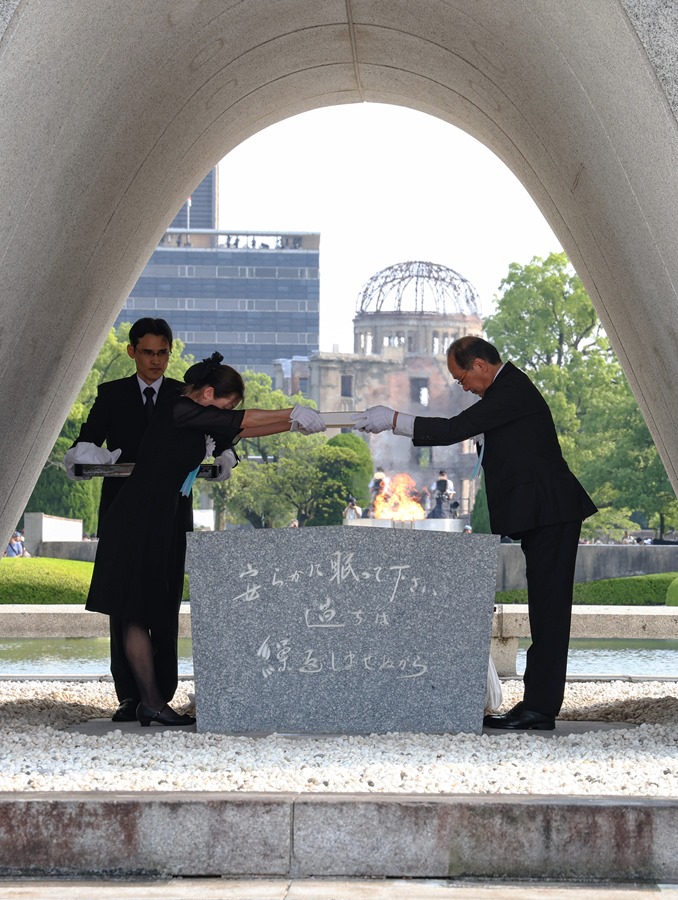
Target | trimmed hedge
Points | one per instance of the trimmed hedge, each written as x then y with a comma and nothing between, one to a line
672,594
638,590
39,580
42,580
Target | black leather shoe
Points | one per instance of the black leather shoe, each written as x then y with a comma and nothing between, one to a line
521,719
164,716
127,711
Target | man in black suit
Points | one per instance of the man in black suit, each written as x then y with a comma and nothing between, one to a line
532,496
119,417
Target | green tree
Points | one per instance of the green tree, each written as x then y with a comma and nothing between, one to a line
327,492
250,495
480,516
309,481
260,394
554,315
253,493
54,494
546,324
289,475
360,475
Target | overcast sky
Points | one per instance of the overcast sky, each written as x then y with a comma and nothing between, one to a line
382,185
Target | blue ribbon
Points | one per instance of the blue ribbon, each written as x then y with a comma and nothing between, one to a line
188,483
480,461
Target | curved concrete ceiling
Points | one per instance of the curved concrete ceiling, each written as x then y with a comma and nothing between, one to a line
110,115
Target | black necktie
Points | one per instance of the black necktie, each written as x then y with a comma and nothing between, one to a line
149,394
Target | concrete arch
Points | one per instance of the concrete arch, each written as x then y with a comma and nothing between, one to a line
112,110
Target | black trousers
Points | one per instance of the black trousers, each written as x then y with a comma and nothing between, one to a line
164,640
550,557
165,658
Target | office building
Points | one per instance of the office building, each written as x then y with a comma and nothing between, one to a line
252,295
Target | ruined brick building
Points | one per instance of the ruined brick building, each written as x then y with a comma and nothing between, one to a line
406,317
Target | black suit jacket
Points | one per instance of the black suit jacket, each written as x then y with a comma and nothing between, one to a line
119,420
527,480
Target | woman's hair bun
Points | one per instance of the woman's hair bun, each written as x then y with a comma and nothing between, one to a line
199,373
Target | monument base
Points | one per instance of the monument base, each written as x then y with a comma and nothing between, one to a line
341,630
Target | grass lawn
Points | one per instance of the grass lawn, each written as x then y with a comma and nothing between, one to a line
41,580
638,590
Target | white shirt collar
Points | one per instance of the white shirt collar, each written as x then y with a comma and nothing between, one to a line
155,385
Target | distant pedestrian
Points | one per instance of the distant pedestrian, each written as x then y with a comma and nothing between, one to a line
15,547
352,511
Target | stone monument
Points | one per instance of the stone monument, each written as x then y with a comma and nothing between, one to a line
341,630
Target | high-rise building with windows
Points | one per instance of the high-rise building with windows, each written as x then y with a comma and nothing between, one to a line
252,295
200,209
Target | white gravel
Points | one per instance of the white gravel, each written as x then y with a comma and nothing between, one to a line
37,754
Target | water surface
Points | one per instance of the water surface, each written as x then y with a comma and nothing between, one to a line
89,656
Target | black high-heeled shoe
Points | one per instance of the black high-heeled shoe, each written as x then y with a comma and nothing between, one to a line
146,716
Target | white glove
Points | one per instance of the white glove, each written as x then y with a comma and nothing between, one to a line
306,420
209,446
88,454
226,462
374,420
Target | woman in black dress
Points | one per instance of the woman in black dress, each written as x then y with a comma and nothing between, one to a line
142,546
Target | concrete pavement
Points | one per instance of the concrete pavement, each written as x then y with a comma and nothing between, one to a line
100,727
322,889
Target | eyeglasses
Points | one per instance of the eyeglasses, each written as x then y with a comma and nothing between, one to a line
460,381
149,354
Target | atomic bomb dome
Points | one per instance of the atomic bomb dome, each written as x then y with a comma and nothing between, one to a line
419,287
420,306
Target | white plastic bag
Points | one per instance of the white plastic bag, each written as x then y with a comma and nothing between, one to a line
493,695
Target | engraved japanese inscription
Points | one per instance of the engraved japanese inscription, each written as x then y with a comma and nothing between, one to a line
335,630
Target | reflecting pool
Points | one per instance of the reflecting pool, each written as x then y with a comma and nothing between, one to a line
89,656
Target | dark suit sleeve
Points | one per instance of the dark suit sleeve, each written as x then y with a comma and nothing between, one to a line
97,426
224,425
500,405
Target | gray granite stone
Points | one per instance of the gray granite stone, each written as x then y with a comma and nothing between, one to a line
341,630
656,23
7,8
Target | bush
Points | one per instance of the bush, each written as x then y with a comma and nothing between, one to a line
41,580
672,593
360,474
638,590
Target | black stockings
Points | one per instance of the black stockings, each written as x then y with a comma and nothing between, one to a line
139,653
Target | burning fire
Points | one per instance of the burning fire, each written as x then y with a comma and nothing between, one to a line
398,502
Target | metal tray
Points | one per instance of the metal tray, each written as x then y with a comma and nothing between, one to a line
122,470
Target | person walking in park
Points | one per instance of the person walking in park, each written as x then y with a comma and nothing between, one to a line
532,497
15,547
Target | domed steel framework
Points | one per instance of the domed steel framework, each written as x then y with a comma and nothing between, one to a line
419,287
